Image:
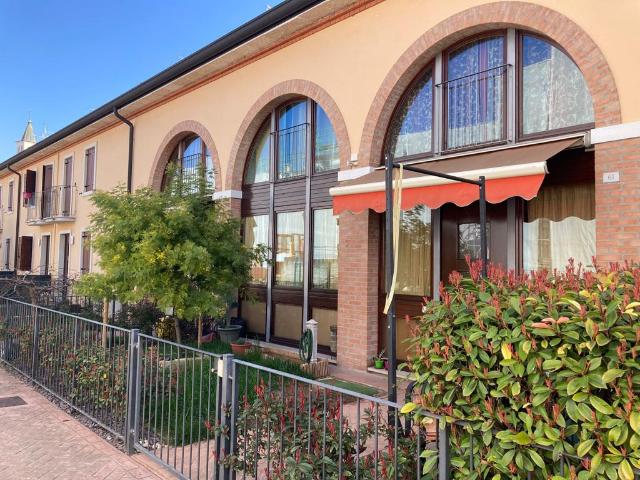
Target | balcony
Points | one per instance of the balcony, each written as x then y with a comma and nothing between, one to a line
56,204
191,174
475,108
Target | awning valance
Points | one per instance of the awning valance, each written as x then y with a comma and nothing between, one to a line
509,172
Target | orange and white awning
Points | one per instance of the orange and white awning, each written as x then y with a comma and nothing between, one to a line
509,172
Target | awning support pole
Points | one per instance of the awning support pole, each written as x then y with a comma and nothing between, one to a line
389,267
483,226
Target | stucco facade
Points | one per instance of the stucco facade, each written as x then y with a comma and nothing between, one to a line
355,62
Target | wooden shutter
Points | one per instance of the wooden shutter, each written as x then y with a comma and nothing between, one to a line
89,169
30,182
86,252
26,249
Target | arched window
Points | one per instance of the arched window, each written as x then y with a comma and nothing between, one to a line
286,205
554,92
191,162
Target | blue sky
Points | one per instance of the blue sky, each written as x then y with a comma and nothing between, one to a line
60,59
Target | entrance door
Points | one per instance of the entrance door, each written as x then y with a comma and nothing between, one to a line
64,256
44,254
460,236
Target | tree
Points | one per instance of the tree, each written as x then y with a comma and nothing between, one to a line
176,248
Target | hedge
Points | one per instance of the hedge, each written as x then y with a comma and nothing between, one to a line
531,368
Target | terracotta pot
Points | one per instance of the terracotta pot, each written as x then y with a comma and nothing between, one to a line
240,348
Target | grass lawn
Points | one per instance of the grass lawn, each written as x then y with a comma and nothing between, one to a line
179,394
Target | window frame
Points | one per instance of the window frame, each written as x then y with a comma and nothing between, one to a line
445,78
266,124
431,66
10,194
519,107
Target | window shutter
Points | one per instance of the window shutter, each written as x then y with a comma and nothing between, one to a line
26,249
89,176
86,252
30,183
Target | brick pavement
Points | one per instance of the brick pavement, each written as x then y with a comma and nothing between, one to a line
40,441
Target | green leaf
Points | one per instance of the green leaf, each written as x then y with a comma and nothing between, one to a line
515,389
552,364
408,408
634,421
521,438
600,405
611,375
584,447
625,472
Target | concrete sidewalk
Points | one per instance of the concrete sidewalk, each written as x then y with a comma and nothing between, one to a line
40,441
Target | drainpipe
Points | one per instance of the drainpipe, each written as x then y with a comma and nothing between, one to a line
131,129
18,209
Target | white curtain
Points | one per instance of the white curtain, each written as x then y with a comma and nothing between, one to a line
325,249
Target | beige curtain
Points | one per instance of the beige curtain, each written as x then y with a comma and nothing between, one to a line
414,256
560,225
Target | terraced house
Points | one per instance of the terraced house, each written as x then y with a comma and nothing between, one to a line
292,115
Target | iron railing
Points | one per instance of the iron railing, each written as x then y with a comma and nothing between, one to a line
190,174
81,362
53,204
291,146
475,108
203,415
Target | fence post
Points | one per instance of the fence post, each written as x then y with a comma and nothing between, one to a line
227,404
133,390
36,342
443,450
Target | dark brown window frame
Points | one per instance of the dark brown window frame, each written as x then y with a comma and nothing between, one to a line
180,147
445,78
520,136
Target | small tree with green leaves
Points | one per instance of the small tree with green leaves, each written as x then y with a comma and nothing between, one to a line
175,248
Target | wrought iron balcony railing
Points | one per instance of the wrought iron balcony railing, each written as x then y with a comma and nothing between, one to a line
475,108
292,151
190,175
55,204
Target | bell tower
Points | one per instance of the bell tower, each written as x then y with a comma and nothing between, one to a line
28,138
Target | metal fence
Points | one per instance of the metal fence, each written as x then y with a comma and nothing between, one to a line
81,362
207,416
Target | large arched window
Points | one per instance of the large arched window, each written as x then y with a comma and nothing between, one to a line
286,205
496,88
191,165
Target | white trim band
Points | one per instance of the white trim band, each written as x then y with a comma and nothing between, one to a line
227,194
507,171
354,173
612,133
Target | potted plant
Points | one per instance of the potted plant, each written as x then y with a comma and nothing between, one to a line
240,346
228,332
379,360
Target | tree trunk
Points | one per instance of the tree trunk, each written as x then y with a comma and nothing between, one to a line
105,322
200,331
176,323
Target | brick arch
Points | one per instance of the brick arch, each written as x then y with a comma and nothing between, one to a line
169,143
527,16
261,109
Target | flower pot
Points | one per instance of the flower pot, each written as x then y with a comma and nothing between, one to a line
379,363
240,348
229,334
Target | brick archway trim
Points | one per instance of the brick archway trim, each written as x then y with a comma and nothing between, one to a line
261,109
169,143
582,49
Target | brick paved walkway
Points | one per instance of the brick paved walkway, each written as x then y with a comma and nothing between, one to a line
40,441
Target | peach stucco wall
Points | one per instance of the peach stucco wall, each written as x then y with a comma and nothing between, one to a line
349,60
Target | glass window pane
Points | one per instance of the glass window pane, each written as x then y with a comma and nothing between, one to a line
290,249
287,321
412,123
325,249
560,224
414,255
256,232
255,313
476,78
326,144
554,92
469,241
325,318
292,140
258,168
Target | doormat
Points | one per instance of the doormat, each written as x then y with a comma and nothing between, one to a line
11,402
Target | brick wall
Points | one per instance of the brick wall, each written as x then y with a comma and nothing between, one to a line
618,204
358,288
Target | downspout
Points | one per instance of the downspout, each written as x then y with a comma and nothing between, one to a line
18,209
131,131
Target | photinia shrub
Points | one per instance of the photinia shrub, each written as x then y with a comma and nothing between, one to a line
537,375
